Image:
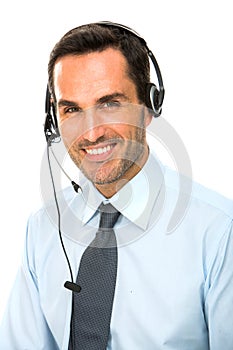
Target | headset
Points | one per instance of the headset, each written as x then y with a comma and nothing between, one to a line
154,94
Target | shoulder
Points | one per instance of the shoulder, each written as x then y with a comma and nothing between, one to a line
197,194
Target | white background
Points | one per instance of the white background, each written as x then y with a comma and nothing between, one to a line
192,41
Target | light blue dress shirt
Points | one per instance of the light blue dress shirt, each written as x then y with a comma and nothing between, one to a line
174,290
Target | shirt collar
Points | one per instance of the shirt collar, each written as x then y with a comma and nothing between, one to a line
143,188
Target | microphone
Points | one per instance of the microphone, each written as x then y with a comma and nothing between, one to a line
76,187
72,286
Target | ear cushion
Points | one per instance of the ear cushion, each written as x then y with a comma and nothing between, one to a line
51,129
152,99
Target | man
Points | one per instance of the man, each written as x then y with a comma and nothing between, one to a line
171,291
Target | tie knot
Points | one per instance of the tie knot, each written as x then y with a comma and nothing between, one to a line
108,215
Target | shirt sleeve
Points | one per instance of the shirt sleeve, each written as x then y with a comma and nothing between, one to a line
24,325
219,298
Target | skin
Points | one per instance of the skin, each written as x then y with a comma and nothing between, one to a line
101,122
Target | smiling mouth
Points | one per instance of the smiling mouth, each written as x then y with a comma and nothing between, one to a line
101,150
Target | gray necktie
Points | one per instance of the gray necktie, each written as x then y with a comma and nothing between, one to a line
92,306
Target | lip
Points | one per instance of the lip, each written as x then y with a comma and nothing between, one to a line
100,152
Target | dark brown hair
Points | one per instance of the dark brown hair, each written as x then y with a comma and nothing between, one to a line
97,37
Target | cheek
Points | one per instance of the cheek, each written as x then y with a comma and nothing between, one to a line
71,132
130,132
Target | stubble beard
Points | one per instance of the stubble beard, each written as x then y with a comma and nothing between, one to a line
115,169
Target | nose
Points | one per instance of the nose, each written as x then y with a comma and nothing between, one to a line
93,127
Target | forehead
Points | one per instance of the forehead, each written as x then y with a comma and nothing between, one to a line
94,64
79,76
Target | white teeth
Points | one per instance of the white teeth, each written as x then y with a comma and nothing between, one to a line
98,150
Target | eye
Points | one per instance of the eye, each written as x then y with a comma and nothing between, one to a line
71,110
110,105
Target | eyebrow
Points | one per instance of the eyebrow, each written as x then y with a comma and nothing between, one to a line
113,96
66,103
103,99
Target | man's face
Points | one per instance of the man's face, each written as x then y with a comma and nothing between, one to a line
101,123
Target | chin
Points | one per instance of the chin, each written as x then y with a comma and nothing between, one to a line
108,175
103,180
